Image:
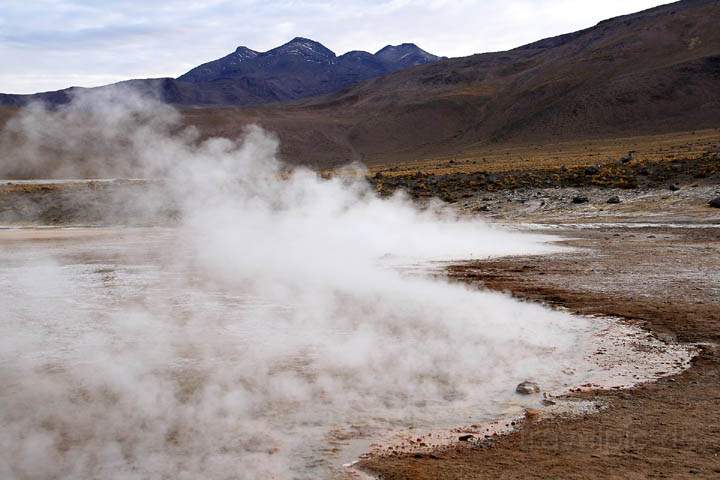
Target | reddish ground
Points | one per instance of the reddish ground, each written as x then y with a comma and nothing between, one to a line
668,280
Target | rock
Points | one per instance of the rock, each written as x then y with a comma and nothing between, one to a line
613,199
580,199
715,202
674,187
592,170
465,438
627,158
532,413
527,388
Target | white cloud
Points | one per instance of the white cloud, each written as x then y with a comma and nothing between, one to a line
52,44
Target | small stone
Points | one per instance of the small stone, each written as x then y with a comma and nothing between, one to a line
674,187
532,413
614,199
527,388
465,438
580,199
592,170
715,202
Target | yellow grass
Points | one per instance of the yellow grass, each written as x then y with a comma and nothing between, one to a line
575,153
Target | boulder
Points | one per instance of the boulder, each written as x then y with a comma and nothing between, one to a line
715,202
580,199
614,199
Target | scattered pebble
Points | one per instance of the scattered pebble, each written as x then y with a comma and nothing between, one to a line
527,388
532,413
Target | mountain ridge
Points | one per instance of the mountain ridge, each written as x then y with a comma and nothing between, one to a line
654,71
297,69
650,72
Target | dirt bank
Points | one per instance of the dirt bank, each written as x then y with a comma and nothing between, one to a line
665,277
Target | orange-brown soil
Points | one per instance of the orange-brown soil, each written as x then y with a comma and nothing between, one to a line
665,278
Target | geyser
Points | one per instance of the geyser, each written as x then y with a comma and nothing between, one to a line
238,342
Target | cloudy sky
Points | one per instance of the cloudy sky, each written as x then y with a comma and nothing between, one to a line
52,44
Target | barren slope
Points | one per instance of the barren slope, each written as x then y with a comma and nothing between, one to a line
653,72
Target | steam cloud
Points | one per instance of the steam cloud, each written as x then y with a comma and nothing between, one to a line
274,314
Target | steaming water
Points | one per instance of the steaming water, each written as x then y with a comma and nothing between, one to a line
267,332
119,361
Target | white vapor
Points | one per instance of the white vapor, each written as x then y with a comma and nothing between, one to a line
235,344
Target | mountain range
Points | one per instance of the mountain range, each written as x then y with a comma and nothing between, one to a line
649,72
298,69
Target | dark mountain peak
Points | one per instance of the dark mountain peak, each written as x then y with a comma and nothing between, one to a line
305,47
245,52
404,55
402,46
217,68
354,53
304,40
402,49
357,54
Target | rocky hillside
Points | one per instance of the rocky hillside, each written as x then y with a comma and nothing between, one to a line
651,72
657,70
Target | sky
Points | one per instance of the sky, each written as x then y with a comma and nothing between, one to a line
53,44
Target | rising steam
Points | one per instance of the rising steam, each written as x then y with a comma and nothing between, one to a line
234,344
